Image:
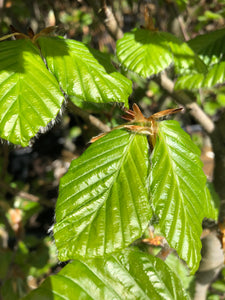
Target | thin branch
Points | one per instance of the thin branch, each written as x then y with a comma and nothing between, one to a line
164,253
22,194
181,22
106,16
182,98
88,117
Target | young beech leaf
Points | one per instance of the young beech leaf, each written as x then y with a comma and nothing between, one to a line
84,72
30,95
128,275
209,46
103,203
178,191
149,52
215,75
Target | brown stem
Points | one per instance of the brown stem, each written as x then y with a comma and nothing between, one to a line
182,98
106,16
88,117
28,196
180,22
164,252
210,266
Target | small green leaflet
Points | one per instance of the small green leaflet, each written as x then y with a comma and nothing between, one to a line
128,275
210,46
30,95
103,203
84,72
178,191
149,52
215,75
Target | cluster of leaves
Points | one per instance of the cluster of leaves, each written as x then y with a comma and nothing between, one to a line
112,192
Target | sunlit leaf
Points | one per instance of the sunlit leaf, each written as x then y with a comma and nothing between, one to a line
129,275
30,96
149,52
103,203
178,191
213,202
84,72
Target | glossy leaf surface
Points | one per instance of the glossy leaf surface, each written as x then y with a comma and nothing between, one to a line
103,203
178,191
149,52
129,275
84,72
30,96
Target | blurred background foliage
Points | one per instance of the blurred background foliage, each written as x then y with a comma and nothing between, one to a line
29,177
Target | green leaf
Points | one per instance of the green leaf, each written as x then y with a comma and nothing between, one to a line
103,203
215,75
30,96
213,204
185,60
178,191
210,46
128,275
84,72
181,4
144,52
149,52
211,211
175,263
189,82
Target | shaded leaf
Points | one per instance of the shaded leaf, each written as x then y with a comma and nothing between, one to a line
210,46
185,60
149,52
84,72
189,82
178,191
30,96
215,75
128,275
103,203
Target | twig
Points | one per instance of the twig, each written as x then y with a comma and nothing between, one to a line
164,253
181,22
88,117
210,265
22,194
106,16
182,98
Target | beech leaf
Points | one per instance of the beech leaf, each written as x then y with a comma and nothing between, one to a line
178,188
103,203
128,275
30,95
84,72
